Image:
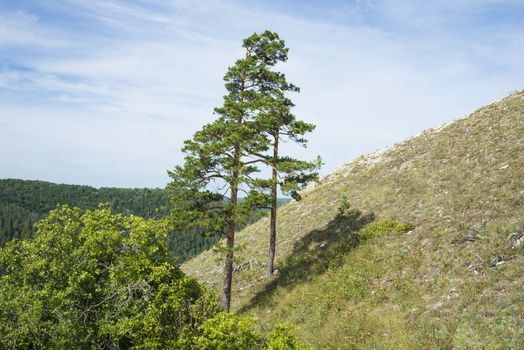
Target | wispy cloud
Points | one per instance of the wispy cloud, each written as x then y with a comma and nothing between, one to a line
104,92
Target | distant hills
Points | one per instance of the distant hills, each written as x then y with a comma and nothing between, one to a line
455,281
23,202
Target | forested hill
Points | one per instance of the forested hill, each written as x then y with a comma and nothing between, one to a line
23,202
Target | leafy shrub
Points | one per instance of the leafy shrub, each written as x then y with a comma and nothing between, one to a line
95,279
281,338
228,331
380,228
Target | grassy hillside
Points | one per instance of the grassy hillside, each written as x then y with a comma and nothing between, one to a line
456,281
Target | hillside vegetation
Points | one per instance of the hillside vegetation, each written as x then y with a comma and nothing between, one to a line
98,280
362,278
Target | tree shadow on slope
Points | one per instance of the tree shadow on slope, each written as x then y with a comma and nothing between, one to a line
316,252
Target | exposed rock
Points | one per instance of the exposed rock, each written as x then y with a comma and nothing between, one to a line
517,238
436,305
388,282
425,242
248,264
473,268
496,260
453,293
471,236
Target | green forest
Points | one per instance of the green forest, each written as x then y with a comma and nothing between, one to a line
24,202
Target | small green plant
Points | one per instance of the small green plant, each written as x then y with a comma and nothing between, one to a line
229,331
380,228
351,218
282,338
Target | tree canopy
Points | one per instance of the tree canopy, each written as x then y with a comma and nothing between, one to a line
101,280
222,158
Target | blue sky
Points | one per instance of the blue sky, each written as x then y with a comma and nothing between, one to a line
103,92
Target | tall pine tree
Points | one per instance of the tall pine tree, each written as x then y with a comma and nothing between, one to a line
221,159
289,173
279,125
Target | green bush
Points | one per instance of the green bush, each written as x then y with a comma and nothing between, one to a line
100,280
228,331
380,228
281,338
95,279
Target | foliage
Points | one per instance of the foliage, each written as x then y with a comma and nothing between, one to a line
220,159
278,125
229,332
15,222
41,197
379,228
281,338
95,279
23,203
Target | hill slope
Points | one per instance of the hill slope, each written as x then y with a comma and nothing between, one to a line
455,281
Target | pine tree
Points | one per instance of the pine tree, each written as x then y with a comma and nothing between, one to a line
276,122
291,174
221,159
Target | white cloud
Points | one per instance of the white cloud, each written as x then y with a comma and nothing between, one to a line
20,28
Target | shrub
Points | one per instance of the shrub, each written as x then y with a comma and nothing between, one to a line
227,331
380,228
94,279
281,338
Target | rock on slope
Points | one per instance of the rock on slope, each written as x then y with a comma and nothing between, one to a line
456,281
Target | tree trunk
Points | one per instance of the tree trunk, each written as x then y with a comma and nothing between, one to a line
225,296
273,219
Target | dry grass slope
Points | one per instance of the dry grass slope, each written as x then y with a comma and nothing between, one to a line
455,282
